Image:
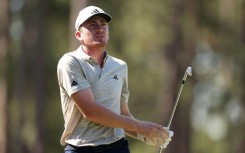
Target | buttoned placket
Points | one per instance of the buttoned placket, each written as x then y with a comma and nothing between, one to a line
103,66
93,63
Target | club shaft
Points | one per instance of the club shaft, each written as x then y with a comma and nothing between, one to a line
175,104
188,72
174,108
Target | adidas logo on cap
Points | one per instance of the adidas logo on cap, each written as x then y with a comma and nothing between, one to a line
88,12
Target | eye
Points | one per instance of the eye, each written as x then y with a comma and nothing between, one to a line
104,24
92,25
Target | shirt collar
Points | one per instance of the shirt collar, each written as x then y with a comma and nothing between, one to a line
90,59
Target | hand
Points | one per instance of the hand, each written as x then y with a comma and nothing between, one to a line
149,142
160,141
151,130
159,136
165,144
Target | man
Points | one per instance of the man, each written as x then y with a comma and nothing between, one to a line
94,94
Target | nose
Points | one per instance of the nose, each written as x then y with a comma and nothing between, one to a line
99,28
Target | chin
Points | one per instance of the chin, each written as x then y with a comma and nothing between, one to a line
100,44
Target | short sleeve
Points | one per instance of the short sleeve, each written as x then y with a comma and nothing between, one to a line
125,91
71,76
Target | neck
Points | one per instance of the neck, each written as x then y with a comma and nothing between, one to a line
96,53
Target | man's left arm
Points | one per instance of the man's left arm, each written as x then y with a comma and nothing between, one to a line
125,111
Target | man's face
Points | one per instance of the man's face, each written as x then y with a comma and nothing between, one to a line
95,32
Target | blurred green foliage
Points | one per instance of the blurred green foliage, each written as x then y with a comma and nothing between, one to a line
143,33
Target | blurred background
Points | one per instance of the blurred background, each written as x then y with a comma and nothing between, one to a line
159,40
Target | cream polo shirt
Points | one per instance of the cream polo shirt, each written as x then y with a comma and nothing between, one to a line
76,71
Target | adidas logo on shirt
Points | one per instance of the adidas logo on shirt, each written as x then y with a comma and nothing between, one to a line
74,83
115,77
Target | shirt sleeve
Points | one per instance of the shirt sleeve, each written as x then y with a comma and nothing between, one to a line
71,76
125,91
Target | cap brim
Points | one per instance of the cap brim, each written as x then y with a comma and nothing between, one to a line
107,17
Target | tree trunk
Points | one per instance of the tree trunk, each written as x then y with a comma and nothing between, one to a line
76,6
31,77
3,75
20,82
243,24
241,146
39,81
176,67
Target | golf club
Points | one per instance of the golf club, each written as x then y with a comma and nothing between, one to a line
187,72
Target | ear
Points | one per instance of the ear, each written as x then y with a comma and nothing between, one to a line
78,35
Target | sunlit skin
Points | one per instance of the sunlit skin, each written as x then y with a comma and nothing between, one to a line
94,35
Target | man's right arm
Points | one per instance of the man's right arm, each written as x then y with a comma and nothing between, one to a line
97,113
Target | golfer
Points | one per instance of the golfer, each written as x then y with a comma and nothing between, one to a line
94,94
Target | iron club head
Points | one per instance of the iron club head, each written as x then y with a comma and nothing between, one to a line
189,71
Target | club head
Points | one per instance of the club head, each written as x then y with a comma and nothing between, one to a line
189,71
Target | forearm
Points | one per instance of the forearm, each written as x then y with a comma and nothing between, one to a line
132,134
125,112
99,114
106,117
102,115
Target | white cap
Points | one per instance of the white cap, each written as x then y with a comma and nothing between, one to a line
88,12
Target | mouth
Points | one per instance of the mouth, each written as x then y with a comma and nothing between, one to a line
99,36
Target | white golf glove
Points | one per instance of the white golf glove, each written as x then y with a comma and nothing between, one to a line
165,144
158,139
